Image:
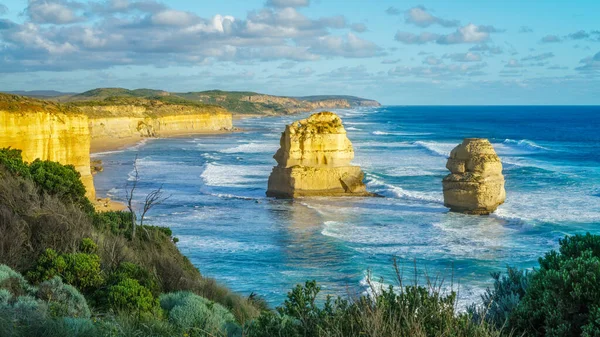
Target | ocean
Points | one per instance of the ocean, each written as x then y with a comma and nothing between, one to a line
254,244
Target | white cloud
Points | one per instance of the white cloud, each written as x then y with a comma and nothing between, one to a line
512,63
420,17
464,57
432,61
51,12
287,3
410,38
467,34
551,39
348,46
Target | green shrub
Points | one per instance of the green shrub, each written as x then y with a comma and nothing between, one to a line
12,160
563,297
78,269
88,246
116,222
63,300
61,180
128,295
407,311
128,270
13,282
499,302
191,312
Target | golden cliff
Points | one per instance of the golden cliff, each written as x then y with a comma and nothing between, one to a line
47,131
314,160
475,184
152,119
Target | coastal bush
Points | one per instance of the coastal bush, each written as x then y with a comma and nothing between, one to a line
78,269
406,311
499,302
196,314
563,297
12,160
129,296
12,282
60,180
63,300
115,222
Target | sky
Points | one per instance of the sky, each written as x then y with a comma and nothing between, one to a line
398,52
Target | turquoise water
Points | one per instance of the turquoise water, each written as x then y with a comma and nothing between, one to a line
232,232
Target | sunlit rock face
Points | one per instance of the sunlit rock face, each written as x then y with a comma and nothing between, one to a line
314,160
475,184
55,136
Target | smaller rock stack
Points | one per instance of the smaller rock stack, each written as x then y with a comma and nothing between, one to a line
475,184
314,160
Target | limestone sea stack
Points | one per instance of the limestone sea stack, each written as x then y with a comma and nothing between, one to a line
314,160
475,184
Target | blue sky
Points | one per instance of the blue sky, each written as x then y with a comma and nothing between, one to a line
398,52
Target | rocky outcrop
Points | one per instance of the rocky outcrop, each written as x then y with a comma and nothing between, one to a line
476,183
47,131
314,160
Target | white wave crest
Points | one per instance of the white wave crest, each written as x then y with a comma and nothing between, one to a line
374,182
439,149
253,148
525,144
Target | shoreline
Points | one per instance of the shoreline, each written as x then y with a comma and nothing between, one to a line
107,144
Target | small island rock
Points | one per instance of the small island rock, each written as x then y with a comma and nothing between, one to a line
475,184
314,160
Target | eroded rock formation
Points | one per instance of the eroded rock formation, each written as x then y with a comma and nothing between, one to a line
475,184
314,160
47,131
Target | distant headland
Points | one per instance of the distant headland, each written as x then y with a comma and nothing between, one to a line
236,102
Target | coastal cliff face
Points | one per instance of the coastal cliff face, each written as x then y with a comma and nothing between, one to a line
54,136
314,160
123,121
476,183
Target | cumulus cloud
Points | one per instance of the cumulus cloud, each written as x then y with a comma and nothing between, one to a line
579,35
464,57
348,73
3,9
287,3
410,38
392,11
439,71
432,61
348,46
358,27
52,12
388,61
513,63
468,34
420,17
590,64
287,65
484,47
123,32
551,39
539,57
525,29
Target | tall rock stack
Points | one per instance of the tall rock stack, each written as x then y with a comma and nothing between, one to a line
314,160
476,183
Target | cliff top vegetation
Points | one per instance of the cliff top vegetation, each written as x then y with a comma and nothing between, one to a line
21,104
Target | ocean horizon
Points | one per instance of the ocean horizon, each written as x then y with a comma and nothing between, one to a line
253,244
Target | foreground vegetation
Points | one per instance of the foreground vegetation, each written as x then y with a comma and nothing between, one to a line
66,270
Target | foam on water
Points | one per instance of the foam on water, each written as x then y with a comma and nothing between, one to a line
253,148
526,144
215,174
436,148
